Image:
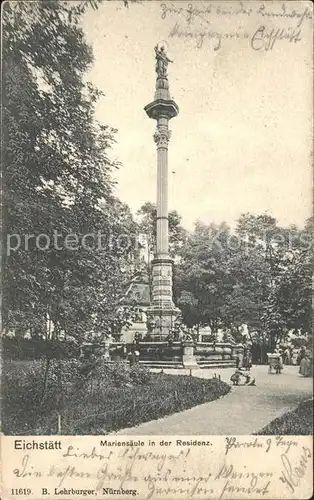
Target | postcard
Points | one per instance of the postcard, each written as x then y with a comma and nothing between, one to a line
157,232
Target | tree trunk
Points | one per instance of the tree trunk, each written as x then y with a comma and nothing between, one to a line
249,332
45,385
198,333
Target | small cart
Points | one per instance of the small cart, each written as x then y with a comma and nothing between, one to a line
274,363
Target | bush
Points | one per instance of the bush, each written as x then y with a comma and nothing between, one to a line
140,375
120,373
116,374
296,422
26,397
15,348
104,398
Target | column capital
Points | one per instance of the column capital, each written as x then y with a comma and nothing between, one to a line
162,136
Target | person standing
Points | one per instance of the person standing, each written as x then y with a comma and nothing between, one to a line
301,355
247,358
287,356
294,357
250,359
240,359
306,368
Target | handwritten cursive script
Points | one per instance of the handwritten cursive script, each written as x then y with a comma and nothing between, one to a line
89,455
208,12
200,23
264,39
234,469
234,443
26,469
199,35
292,475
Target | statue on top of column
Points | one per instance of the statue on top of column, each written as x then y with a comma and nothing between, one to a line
161,62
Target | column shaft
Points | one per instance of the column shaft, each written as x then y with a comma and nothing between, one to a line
162,229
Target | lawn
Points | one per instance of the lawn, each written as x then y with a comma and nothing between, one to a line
95,398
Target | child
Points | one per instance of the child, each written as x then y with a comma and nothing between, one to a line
236,377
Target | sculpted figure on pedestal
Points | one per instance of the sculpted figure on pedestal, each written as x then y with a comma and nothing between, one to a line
161,62
188,337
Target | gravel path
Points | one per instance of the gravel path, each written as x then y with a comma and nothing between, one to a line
245,410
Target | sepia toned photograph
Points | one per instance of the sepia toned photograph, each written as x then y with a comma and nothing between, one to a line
157,224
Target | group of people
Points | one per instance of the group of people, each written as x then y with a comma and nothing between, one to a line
293,356
244,360
303,358
243,366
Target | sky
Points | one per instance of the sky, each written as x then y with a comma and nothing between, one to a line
242,140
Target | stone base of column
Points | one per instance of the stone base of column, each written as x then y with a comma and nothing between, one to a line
162,318
162,313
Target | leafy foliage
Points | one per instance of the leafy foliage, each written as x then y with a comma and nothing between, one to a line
58,188
296,423
113,397
57,180
147,224
202,280
259,276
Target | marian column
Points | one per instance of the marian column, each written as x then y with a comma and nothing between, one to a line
162,312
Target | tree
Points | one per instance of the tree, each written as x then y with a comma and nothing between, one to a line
258,276
273,279
147,225
202,280
293,300
57,179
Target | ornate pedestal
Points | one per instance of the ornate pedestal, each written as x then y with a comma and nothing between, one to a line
188,358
